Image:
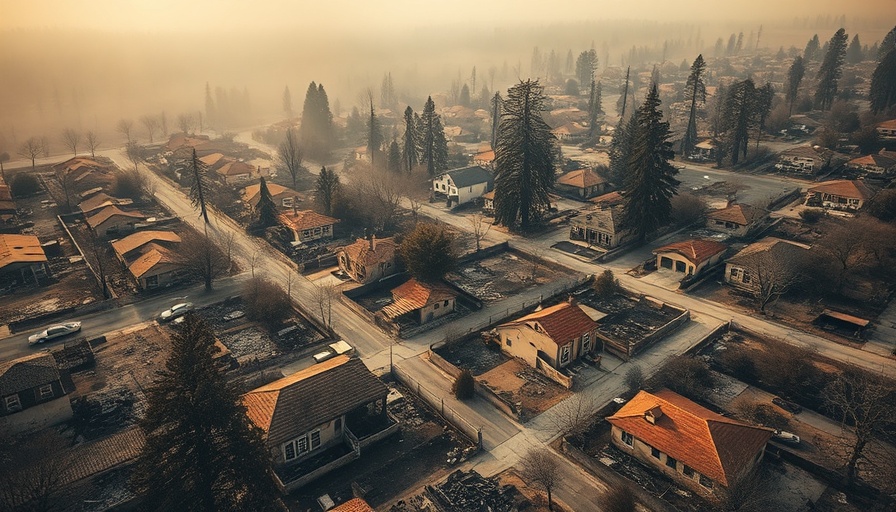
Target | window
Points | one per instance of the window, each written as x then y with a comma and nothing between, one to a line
45,391
688,471
655,452
289,450
734,271
705,481
586,342
628,438
508,342
671,462
12,403
302,445
152,281
746,278
315,439
446,304
564,354
436,306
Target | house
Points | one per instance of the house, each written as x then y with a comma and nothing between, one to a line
22,259
873,164
182,140
695,447
572,131
156,267
83,173
736,219
599,227
484,158
704,151
689,257
353,505
283,196
608,200
7,205
887,129
803,160
136,244
839,195
744,270
488,202
305,414
423,302
369,260
33,393
581,184
463,185
233,171
213,161
110,221
308,225
554,336
101,200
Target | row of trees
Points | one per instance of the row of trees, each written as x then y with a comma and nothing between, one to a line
423,143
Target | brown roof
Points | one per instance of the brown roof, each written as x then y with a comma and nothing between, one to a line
251,192
844,188
235,169
580,178
139,239
78,163
305,219
889,124
211,159
484,156
562,323
714,445
413,295
99,201
384,249
784,249
353,505
299,402
20,249
155,256
608,199
740,214
94,457
877,160
696,251
861,322
107,213
27,372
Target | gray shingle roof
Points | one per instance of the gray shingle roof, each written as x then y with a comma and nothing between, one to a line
469,176
27,372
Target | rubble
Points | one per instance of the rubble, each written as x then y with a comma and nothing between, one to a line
473,492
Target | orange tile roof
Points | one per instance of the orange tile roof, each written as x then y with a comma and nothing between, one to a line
101,200
580,178
714,445
740,214
20,249
305,219
296,403
562,323
156,256
853,189
250,193
235,169
877,160
139,239
608,199
889,124
413,295
108,212
384,249
353,505
211,159
696,251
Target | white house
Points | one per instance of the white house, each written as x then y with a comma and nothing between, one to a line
461,186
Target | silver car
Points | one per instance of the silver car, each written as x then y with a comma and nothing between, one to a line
175,311
54,332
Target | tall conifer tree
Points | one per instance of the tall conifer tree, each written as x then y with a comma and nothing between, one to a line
410,148
433,144
830,70
695,89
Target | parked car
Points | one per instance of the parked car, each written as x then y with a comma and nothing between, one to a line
322,356
786,437
234,315
54,332
787,406
175,311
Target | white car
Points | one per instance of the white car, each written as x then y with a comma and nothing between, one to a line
176,310
786,437
54,332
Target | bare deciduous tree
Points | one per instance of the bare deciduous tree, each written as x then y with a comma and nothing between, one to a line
93,142
151,123
771,275
541,467
31,149
186,122
72,139
573,416
324,296
290,154
202,257
125,127
32,470
634,378
480,228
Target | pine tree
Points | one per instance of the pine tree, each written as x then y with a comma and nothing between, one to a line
594,109
854,53
738,119
524,158
199,183
620,148
830,70
888,44
496,117
812,49
287,103
883,84
266,209
316,130
202,453
433,144
410,148
327,190
394,157
764,97
585,66
624,98
794,77
651,182
695,88
374,137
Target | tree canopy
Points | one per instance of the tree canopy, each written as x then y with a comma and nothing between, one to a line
830,70
433,144
695,89
883,84
428,252
316,131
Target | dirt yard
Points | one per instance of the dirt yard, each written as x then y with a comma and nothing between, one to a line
500,276
519,384
472,354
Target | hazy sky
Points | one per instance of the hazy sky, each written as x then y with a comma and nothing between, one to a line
201,15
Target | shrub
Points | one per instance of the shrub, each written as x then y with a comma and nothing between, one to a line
606,285
266,302
688,209
687,376
812,215
464,386
129,184
24,184
763,414
634,378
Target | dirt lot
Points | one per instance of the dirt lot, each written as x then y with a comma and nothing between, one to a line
472,354
519,384
500,276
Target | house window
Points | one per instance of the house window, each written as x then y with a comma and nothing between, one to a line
446,304
628,438
705,481
315,439
508,342
289,450
12,403
564,354
655,452
436,306
288,202
45,391
746,278
671,462
688,471
326,229
302,445
306,233
317,231
586,342
734,271
152,281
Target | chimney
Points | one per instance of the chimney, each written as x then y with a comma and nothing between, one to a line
572,300
653,414
372,242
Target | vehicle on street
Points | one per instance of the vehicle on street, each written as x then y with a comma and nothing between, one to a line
786,437
234,315
54,331
787,406
175,311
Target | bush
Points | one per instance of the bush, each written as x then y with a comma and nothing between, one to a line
688,209
763,414
812,215
739,363
266,302
464,386
634,378
606,285
572,87
24,184
129,184
688,377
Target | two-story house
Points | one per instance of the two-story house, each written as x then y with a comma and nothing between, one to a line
33,393
461,186
736,219
284,197
369,260
848,195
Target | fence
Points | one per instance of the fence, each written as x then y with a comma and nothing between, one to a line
438,404
480,388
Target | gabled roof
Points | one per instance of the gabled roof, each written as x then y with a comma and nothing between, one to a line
353,505
250,193
79,163
305,219
158,255
890,124
469,176
740,214
696,251
778,248
714,445
609,199
876,160
235,168
580,178
602,217
384,249
137,240
107,213
212,159
853,189
299,402
20,249
101,200
27,372
561,323
413,295
93,457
